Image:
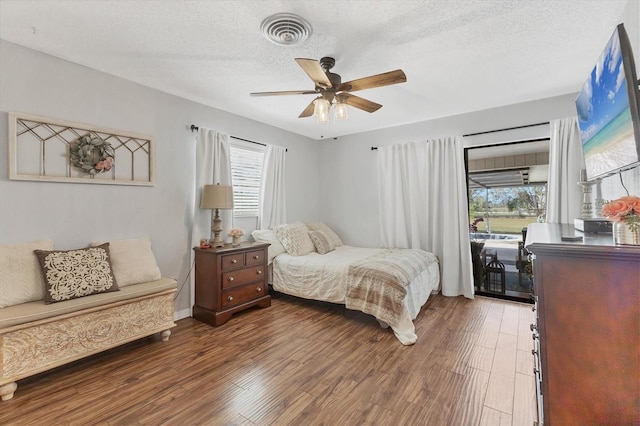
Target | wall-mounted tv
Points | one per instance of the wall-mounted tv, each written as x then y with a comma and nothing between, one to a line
608,111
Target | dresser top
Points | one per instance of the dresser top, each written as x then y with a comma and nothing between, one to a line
543,236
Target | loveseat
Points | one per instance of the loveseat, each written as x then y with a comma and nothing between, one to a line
59,306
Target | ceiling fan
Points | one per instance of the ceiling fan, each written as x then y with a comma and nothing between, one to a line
329,85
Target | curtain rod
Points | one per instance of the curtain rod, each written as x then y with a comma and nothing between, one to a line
195,128
505,129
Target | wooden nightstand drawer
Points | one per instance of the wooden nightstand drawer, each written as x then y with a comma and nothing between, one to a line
242,276
255,257
232,261
242,294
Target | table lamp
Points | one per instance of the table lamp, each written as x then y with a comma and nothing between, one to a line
217,197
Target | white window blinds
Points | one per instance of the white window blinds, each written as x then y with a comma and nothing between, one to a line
246,170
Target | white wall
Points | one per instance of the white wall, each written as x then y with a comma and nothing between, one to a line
348,195
75,214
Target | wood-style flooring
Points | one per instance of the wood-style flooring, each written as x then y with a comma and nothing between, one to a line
303,363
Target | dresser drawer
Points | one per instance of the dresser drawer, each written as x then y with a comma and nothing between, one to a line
242,276
232,261
255,257
246,293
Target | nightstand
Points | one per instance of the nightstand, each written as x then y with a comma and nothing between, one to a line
229,280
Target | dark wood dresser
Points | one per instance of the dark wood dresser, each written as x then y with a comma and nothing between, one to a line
587,334
228,280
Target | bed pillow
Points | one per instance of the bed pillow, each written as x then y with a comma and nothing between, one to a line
269,236
21,278
69,274
132,260
295,239
321,226
322,242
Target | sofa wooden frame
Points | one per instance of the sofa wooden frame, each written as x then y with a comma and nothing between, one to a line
33,347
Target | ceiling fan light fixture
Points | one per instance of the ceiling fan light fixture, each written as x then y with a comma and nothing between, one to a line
321,110
286,29
340,111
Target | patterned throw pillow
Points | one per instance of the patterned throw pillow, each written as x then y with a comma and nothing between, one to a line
321,226
71,274
295,239
322,242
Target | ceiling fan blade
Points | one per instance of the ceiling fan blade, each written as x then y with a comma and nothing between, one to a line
285,92
308,111
314,71
360,103
378,80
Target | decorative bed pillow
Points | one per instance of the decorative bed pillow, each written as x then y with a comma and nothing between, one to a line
322,242
70,274
21,278
269,236
295,239
132,261
321,226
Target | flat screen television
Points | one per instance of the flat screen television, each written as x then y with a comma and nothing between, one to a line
608,111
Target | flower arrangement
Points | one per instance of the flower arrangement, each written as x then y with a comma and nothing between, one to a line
92,155
624,209
236,232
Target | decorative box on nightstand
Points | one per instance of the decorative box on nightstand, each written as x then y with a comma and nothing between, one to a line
228,280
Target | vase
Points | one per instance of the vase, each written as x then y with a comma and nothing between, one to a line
623,234
235,241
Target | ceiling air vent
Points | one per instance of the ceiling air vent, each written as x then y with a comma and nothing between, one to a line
285,29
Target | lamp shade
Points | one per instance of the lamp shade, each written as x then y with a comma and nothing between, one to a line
217,197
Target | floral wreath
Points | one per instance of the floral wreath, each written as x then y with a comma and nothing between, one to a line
92,155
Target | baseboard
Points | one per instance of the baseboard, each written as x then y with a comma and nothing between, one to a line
185,313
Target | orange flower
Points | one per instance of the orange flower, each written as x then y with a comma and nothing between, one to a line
617,210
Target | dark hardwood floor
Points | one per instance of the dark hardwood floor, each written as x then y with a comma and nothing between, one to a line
302,363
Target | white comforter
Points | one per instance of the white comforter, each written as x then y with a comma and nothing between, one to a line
324,277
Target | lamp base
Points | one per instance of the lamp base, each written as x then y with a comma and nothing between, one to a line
216,230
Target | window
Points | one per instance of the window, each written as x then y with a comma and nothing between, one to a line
246,170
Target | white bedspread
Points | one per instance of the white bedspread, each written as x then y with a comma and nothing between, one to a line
325,277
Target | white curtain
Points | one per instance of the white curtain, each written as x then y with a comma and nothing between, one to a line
564,196
212,166
423,204
272,192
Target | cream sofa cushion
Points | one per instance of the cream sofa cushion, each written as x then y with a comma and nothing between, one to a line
132,261
295,239
321,226
21,278
269,236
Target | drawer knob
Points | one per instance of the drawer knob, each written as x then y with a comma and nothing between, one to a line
532,327
258,272
234,260
534,336
534,352
255,256
535,371
230,298
533,308
258,289
230,279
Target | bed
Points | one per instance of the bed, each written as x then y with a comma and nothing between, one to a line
390,284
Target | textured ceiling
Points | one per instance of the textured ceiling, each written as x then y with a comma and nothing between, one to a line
458,55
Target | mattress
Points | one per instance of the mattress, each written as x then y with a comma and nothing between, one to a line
326,277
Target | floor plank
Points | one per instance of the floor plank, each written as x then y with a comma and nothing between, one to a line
301,362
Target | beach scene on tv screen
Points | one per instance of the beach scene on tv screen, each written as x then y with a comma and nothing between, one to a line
606,126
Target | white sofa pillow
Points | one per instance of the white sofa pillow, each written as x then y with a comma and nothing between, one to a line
269,236
321,226
295,239
21,279
132,261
